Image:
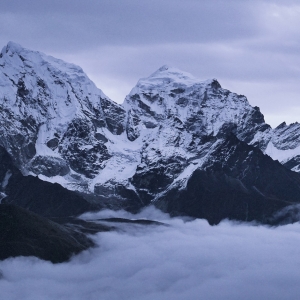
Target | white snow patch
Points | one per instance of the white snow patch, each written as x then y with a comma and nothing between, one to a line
6,179
86,147
124,161
2,196
55,179
281,155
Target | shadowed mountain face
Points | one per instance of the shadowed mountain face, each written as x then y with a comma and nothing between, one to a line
239,183
44,198
188,146
23,233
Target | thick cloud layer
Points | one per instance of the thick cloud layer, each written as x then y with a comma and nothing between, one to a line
186,260
251,47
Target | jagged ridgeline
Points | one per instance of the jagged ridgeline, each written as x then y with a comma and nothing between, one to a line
188,146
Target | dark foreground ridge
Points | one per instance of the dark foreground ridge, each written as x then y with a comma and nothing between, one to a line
23,233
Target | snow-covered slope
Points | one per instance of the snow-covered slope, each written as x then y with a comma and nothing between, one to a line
54,121
175,100
281,143
201,107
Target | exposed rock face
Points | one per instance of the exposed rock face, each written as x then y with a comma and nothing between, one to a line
80,147
49,166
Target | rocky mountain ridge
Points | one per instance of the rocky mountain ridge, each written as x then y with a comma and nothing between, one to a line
55,123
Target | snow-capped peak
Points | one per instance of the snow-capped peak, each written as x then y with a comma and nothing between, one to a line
167,78
15,54
171,73
167,75
202,106
12,47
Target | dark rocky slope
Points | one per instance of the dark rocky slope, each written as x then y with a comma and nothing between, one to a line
23,233
43,198
239,182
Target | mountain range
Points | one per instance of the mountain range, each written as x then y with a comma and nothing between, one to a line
187,146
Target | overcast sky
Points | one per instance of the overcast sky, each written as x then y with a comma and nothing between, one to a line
251,47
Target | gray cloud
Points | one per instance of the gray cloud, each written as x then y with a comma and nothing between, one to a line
251,47
187,260
131,22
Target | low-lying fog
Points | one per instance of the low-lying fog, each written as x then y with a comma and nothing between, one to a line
186,260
